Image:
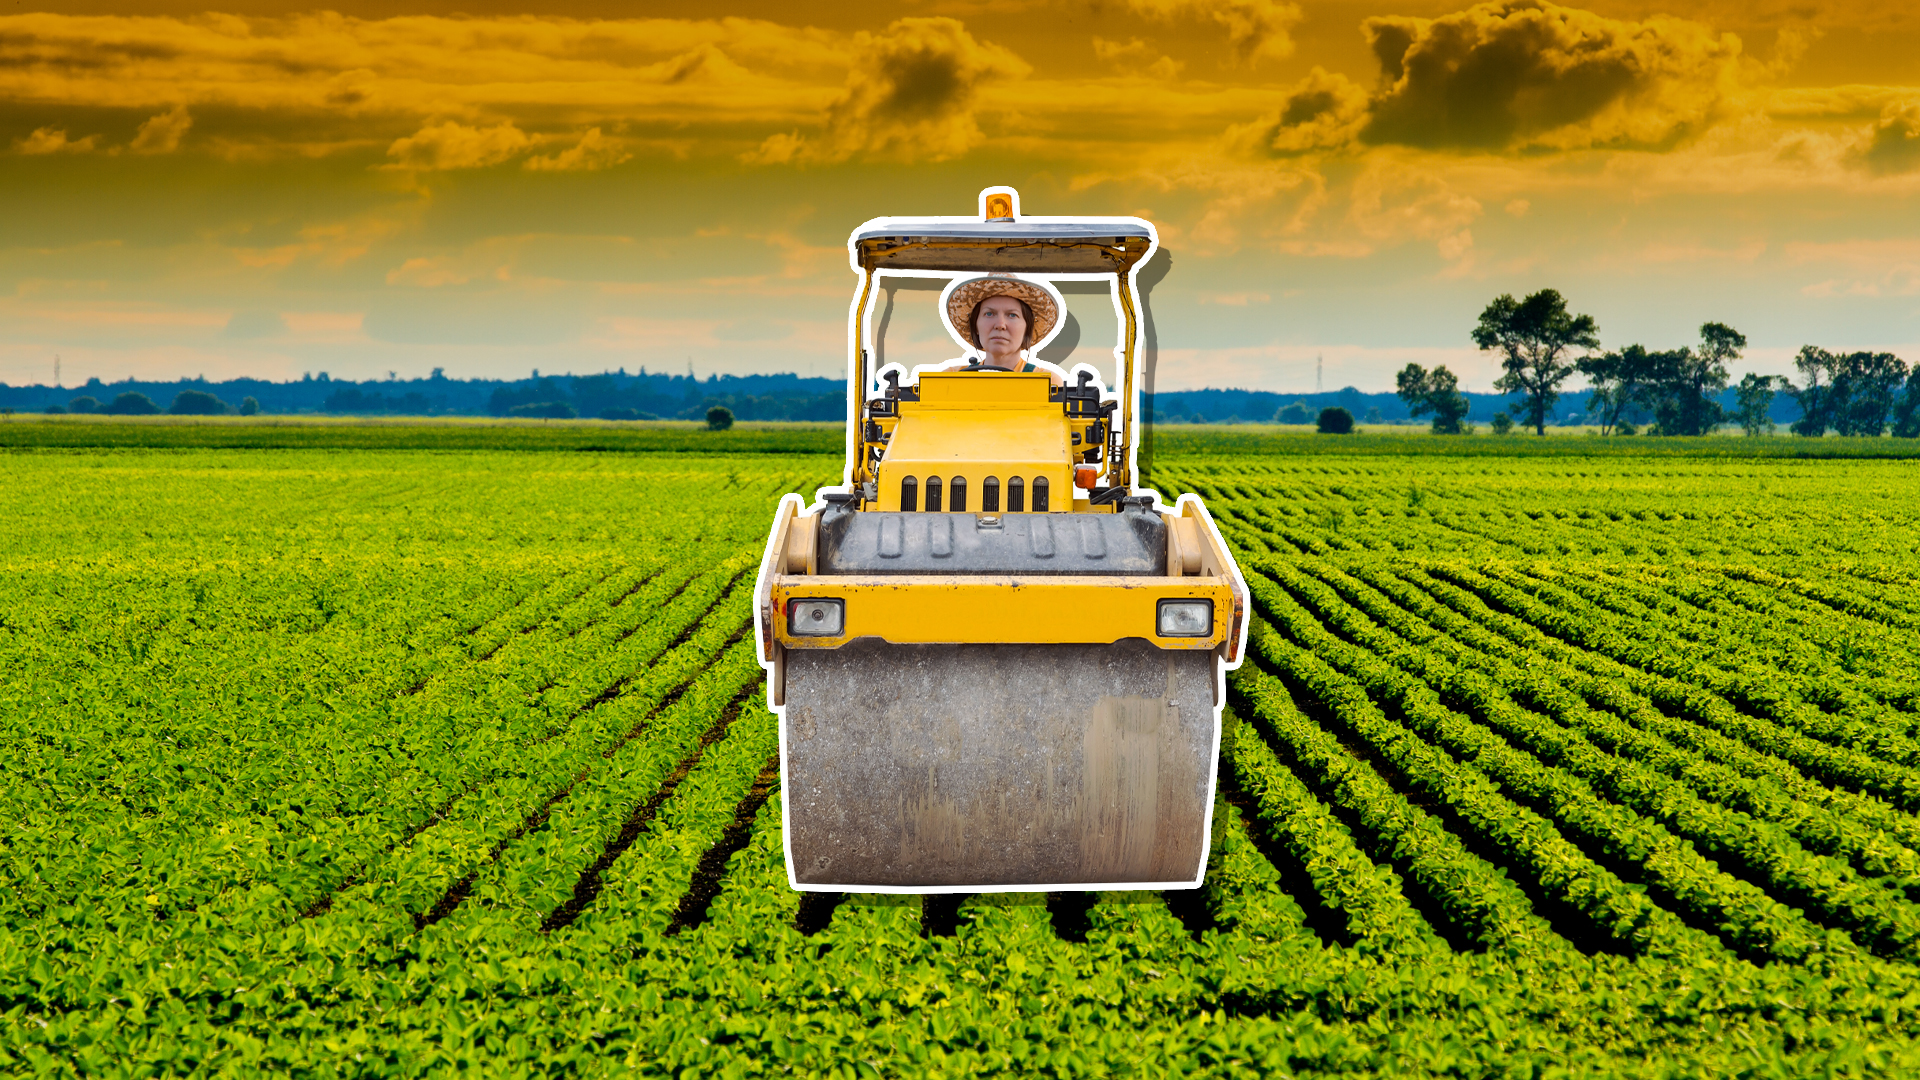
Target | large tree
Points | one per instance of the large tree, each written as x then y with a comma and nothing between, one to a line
1755,397
1535,336
1436,392
1815,397
1906,411
1853,393
1690,382
1619,381
1864,385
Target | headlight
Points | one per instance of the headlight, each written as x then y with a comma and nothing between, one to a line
1186,618
818,618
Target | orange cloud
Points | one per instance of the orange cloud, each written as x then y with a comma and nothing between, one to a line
1320,112
593,151
453,145
383,78
49,140
426,273
909,96
1894,146
1134,55
1520,74
1851,102
1877,267
162,134
1392,204
1256,29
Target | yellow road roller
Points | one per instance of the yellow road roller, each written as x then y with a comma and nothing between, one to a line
998,662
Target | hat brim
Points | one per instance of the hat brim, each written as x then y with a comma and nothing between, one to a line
968,295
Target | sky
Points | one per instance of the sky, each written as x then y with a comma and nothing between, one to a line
493,188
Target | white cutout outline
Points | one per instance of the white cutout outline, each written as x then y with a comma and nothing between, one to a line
860,334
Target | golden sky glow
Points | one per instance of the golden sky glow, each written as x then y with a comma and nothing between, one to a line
274,190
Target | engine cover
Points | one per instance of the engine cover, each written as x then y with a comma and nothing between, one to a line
1132,542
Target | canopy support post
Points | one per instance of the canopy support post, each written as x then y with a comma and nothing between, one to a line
857,382
1119,473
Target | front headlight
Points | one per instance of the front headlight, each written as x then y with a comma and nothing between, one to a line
816,618
1186,618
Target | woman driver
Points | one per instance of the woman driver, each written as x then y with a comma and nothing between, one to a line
1003,317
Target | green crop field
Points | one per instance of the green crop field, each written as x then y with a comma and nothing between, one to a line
400,750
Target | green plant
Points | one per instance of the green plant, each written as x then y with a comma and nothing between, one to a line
196,403
131,403
1299,412
1436,392
1586,767
1334,421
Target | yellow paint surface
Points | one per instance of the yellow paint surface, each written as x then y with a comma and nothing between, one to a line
939,609
976,425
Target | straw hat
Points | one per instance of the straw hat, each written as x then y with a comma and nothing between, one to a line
968,294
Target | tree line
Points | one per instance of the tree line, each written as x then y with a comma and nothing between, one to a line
624,394
1541,344
135,403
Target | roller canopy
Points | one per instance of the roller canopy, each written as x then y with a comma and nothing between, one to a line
1060,248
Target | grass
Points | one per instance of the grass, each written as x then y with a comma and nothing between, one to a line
36,431
30,432
1184,440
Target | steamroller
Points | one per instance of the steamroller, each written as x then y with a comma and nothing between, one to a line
998,662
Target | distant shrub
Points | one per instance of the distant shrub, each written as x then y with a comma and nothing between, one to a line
1335,420
83,404
1296,413
197,403
249,407
56,410
1625,427
131,403
1502,423
720,418
545,410
626,414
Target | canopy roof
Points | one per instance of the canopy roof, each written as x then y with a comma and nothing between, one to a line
1076,247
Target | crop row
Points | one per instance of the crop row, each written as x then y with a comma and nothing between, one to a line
1531,670
1649,824
500,796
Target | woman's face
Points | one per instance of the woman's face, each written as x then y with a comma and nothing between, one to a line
1002,328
